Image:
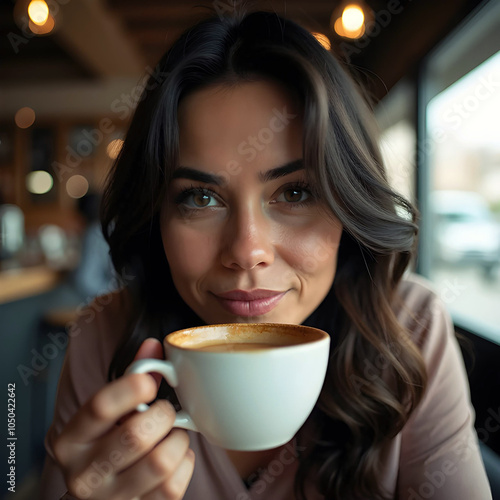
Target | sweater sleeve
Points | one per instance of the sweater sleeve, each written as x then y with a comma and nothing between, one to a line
92,341
440,457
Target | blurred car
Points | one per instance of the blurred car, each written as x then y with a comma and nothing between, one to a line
465,230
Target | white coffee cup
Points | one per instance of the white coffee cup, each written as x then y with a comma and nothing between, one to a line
238,395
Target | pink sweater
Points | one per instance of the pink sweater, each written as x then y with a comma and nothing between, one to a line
435,456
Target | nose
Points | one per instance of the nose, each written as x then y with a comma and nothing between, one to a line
248,241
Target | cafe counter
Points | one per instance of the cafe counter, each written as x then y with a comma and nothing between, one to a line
20,283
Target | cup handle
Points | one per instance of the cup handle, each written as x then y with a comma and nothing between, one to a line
182,420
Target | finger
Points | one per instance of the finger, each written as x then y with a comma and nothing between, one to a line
154,468
176,485
110,403
151,348
138,436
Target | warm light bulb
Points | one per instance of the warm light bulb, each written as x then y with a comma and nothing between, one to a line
39,182
340,30
353,18
38,10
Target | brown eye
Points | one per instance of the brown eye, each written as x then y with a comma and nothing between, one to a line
293,195
197,198
201,199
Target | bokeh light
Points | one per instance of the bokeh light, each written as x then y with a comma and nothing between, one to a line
25,117
77,186
323,40
353,18
43,29
39,182
339,29
38,11
113,148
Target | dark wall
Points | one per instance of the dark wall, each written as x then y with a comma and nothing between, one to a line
483,367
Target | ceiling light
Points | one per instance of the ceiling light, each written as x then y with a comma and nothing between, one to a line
352,18
340,30
38,11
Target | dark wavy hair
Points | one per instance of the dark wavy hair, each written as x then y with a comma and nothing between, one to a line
357,413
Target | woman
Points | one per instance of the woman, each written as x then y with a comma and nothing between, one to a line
250,188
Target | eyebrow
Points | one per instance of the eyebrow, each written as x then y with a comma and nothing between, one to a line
183,172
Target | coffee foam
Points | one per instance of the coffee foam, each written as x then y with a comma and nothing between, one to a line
271,333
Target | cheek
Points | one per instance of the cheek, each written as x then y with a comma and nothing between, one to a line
314,251
190,254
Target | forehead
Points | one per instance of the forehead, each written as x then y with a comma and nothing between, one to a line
226,119
241,96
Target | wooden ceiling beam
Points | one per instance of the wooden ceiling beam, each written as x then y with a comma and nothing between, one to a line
96,39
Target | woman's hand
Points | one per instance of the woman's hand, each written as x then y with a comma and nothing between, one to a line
141,457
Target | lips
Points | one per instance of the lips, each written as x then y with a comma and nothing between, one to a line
250,303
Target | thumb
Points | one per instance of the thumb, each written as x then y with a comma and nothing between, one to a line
151,348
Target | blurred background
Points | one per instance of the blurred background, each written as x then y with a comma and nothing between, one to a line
71,74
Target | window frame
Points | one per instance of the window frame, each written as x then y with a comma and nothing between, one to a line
471,43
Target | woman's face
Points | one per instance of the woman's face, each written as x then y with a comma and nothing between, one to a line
244,238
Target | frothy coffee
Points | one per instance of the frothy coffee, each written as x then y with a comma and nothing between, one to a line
256,336
236,346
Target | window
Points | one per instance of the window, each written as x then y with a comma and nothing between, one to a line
459,185
398,137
